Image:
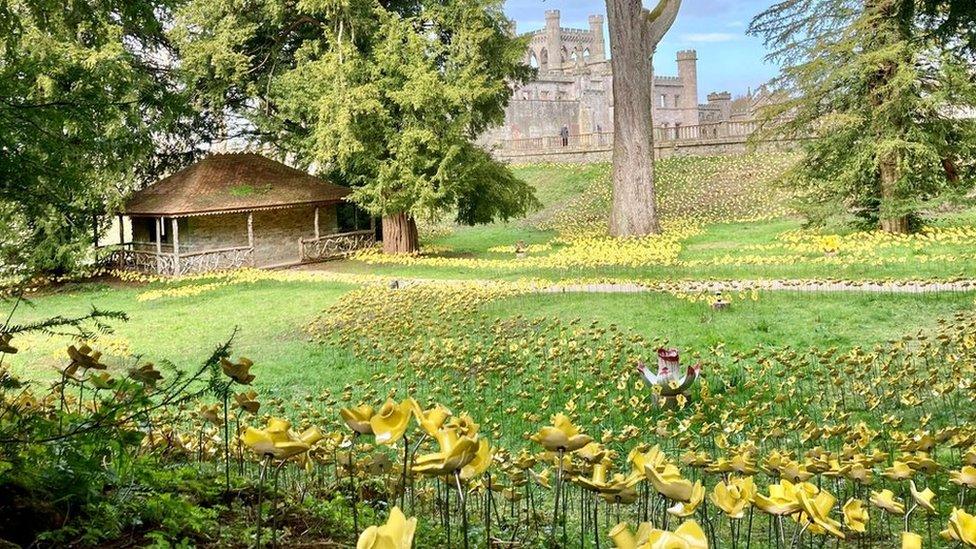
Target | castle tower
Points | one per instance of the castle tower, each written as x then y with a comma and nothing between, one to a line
722,100
597,48
688,73
553,42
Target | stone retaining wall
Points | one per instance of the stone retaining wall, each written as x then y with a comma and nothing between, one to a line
709,147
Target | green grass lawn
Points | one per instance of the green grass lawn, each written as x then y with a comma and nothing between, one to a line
718,193
271,318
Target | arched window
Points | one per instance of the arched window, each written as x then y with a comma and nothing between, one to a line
563,55
574,57
533,60
586,54
544,59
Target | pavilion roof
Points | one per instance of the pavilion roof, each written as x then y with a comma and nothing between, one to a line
224,183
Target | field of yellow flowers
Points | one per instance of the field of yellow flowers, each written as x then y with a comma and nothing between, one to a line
724,217
468,430
352,406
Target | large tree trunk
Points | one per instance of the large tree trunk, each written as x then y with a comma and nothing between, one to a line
400,234
888,169
634,35
889,181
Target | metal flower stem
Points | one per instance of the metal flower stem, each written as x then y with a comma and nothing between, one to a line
488,513
274,506
226,444
354,488
406,461
596,521
264,470
559,486
463,506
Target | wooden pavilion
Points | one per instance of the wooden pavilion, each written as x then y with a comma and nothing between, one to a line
237,210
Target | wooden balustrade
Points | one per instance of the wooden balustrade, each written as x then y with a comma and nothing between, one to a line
337,245
128,257
716,131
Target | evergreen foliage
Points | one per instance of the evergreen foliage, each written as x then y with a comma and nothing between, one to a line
386,97
879,103
89,105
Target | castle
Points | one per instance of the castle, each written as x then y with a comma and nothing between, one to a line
573,92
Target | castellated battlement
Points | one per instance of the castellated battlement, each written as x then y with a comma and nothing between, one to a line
574,88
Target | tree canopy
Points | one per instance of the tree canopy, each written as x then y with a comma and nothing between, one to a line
384,96
89,104
878,102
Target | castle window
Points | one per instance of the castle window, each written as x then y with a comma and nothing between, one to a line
586,54
677,100
533,60
664,101
544,59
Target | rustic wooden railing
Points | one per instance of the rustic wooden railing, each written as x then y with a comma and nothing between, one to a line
129,258
216,260
332,246
717,131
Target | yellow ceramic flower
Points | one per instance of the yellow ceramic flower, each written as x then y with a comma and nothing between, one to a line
238,371
5,346
962,528
562,436
86,358
911,540
856,516
477,466
886,500
432,420
734,497
390,423
816,510
688,536
899,470
358,418
455,452
683,509
248,401
782,499
397,533
146,374
278,441
964,477
593,452
211,414
923,498
670,483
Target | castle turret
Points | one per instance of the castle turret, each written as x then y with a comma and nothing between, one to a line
597,48
553,44
688,73
722,100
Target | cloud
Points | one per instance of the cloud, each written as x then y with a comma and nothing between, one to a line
709,37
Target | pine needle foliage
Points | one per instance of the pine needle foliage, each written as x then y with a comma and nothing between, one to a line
878,103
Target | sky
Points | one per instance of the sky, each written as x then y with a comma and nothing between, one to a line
728,60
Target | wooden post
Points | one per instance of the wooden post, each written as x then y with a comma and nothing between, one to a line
176,247
121,230
159,245
159,235
250,229
250,235
316,223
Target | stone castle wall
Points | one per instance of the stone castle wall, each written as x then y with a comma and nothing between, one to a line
574,88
